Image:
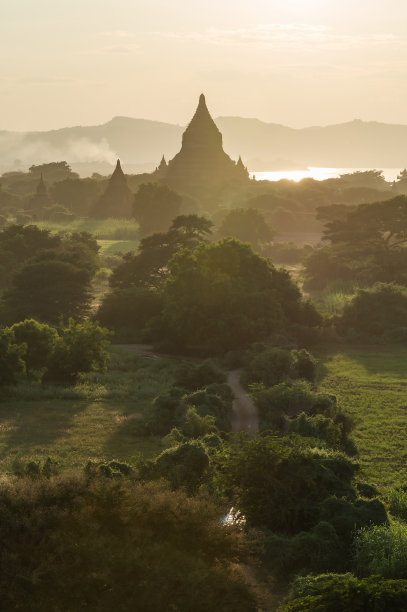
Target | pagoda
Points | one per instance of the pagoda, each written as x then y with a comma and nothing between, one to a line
202,162
117,199
40,200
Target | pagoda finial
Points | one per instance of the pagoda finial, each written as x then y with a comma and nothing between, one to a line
202,99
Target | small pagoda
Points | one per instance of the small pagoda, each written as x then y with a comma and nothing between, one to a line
117,199
40,200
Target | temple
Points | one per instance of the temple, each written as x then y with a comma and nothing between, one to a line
40,200
202,162
117,199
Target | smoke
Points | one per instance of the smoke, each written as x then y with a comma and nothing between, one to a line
18,152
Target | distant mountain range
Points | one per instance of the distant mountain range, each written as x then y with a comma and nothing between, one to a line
140,144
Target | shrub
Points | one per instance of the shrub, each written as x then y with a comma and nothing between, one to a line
11,358
167,411
318,426
211,404
291,399
287,486
40,341
272,366
335,592
305,365
185,465
196,426
376,313
193,377
81,348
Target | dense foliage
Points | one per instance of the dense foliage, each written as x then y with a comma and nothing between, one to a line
334,592
102,543
303,499
223,296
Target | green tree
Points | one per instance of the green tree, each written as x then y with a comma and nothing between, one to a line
155,206
247,225
81,348
76,195
48,290
149,267
11,358
224,296
39,340
53,171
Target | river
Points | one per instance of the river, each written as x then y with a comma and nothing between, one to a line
320,174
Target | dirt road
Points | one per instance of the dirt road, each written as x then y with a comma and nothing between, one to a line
244,417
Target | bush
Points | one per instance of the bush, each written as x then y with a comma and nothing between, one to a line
81,348
167,411
193,377
287,486
185,465
40,341
336,592
375,314
197,426
11,358
272,366
382,550
218,406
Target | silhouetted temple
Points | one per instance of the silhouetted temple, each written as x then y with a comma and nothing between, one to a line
40,200
202,162
117,200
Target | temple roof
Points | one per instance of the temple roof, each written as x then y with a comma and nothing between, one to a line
202,127
118,173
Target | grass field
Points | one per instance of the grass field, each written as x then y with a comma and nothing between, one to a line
106,229
371,385
94,420
113,247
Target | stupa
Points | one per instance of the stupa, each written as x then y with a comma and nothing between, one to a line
202,162
117,199
40,200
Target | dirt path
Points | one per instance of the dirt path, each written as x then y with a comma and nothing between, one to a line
244,417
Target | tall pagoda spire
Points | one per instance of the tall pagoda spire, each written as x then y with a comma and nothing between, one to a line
202,128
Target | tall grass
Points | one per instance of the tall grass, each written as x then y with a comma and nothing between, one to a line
128,377
398,503
332,300
382,550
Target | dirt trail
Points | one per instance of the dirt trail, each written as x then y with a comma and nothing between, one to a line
244,417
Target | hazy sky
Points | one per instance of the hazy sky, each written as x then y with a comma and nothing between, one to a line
296,62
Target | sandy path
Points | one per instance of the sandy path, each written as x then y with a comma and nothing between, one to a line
244,417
